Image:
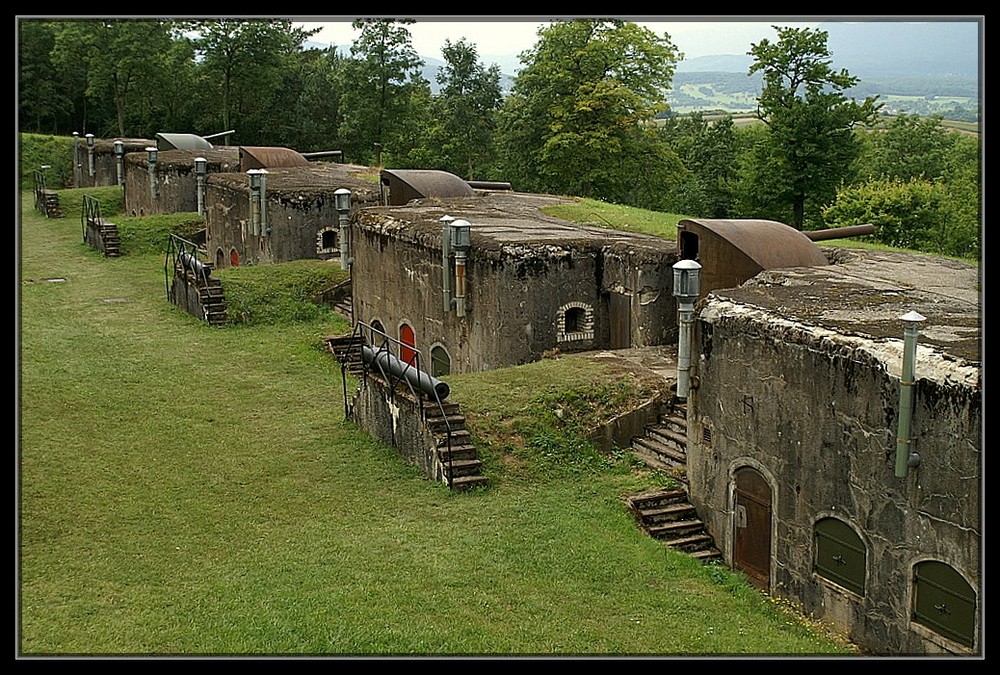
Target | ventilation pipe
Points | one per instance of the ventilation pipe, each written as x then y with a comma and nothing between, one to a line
446,222
258,202
342,204
460,241
154,184
90,153
120,161
905,458
687,283
254,176
200,169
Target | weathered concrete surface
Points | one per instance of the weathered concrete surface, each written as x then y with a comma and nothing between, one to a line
797,376
300,213
176,180
524,271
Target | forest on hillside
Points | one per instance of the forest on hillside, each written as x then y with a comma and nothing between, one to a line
588,115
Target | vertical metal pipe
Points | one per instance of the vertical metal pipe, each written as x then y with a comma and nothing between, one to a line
684,350
906,383
445,261
460,283
264,229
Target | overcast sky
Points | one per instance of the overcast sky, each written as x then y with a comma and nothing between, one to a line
509,36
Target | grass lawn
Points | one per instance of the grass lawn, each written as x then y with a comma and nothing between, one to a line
192,490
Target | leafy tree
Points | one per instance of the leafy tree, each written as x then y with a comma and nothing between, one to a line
708,150
465,109
42,99
122,57
317,113
378,86
580,117
909,147
810,121
915,214
243,63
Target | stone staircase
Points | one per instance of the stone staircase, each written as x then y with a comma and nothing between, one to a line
342,306
460,463
457,460
213,302
347,350
111,242
667,514
50,204
664,445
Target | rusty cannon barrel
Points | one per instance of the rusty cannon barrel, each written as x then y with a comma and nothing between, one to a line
389,364
840,232
190,262
488,185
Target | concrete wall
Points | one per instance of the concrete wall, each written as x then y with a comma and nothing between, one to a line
817,414
105,161
176,180
516,297
396,420
299,210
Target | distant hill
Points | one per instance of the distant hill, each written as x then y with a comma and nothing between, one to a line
880,49
920,60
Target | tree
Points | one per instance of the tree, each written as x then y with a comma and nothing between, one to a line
909,147
465,108
580,119
378,83
121,57
243,62
810,121
42,99
708,150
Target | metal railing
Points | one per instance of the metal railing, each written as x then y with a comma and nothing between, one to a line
40,193
182,256
90,213
380,346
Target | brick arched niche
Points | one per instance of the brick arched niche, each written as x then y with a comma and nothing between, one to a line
575,321
328,240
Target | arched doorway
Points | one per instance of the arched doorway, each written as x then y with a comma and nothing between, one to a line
406,336
752,527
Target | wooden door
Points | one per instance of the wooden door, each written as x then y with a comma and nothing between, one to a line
752,527
620,311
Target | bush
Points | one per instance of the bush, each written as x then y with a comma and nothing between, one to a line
37,150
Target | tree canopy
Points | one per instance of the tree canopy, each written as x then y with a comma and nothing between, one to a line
811,145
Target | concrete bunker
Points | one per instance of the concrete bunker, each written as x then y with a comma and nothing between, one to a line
281,213
492,282
793,440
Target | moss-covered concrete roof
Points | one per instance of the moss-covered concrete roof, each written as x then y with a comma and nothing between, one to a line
509,221
862,297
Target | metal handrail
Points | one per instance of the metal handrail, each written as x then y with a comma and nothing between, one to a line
385,346
90,213
40,193
182,255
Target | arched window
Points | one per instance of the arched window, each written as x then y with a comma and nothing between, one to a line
220,258
944,602
575,321
440,361
379,335
840,554
234,257
328,240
